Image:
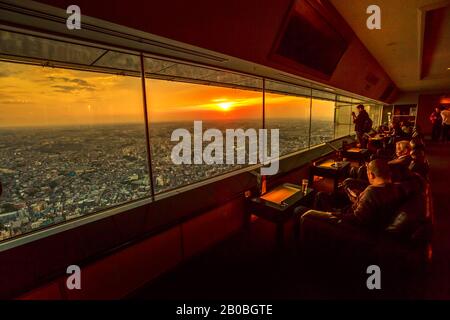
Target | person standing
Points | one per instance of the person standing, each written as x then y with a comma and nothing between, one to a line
363,124
436,121
446,124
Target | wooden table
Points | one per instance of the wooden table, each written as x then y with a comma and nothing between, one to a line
330,169
277,206
358,154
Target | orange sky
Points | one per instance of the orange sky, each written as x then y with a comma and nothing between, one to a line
38,96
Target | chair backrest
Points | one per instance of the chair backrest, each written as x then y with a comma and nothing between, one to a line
413,221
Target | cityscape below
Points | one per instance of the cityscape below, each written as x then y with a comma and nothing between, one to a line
54,174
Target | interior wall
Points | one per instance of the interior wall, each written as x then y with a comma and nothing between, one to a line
407,98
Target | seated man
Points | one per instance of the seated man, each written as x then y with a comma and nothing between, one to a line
400,164
375,206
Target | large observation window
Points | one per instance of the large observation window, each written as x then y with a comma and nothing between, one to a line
290,114
197,109
71,143
344,121
322,121
375,111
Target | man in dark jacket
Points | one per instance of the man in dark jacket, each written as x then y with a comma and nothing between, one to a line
374,208
363,125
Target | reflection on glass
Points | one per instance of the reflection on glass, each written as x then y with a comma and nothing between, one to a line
344,122
290,115
375,114
176,105
322,121
71,143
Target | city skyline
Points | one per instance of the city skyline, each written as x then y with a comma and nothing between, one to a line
56,174
42,96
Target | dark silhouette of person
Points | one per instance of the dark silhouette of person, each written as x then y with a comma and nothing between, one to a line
363,125
374,207
436,121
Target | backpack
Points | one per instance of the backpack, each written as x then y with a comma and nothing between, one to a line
367,125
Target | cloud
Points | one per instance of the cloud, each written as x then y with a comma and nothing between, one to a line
71,84
61,88
6,73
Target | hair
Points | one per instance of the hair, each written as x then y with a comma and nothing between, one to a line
360,106
404,144
379,168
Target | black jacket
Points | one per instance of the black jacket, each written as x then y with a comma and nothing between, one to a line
360,121
375,206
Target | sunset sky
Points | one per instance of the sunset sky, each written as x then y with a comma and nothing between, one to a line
41,96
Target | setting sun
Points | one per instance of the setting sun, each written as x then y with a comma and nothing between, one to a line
225,106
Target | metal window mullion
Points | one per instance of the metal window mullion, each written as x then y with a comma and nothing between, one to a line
147,129
310,120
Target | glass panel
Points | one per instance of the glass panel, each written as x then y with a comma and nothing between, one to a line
324,95
284,88
344,99
157,68
374,114
71,143
22,45
322,121
344,122
290,115
117,60
176,105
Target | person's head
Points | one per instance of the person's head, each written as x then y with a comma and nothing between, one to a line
360,108
402,148
437,109
378,172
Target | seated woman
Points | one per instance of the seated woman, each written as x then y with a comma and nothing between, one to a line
400,164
